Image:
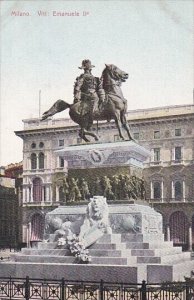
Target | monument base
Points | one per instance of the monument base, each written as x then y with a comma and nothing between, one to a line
135,251
112,261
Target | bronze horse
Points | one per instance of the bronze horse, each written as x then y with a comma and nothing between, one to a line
114,106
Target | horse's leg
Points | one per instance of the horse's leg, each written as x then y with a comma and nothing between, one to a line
82,135
118,124
88,122
91,134
125,125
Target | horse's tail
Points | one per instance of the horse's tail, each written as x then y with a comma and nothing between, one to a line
58,106
61,105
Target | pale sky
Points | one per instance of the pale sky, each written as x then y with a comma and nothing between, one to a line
152,40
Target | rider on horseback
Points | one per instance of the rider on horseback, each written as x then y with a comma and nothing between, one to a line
89,93
88,89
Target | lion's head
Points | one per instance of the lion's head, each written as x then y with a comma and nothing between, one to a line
97,207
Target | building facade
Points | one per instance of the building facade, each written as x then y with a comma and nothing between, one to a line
10,203
168,132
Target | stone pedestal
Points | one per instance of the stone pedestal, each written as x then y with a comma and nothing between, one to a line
125,241
133,252
92,160
124,218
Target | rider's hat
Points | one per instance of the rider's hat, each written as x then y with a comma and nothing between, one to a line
86,64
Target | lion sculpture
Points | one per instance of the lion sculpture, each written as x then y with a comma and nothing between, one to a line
96,221
95,224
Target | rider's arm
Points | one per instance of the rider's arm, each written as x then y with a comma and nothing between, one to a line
77,88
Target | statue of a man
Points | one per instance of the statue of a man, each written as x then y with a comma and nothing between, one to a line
74,192
134,187
65,189
107,188
115,187
88,89
84,189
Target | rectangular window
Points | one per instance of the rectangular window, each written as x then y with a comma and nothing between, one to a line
156,134
136,135
61,143
156,154
61,162
178,190
178,153
177,132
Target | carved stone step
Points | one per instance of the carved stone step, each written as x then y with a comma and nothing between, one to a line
148,260
137,245
44,259
168,251
109,238
160,244
108,253
131,237
109,260
48,245
110,246
57,252
103,246
176,258
139,237
144,252
156,252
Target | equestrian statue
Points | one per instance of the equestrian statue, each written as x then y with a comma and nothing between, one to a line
96,99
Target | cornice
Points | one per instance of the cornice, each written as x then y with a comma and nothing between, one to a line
133,123
45,131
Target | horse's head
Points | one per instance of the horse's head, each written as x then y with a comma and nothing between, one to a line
116,73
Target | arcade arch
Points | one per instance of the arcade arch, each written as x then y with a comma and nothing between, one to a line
179,229
37,227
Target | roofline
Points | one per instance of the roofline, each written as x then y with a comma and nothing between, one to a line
74,127
129,111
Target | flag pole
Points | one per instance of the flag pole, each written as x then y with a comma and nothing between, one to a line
39,103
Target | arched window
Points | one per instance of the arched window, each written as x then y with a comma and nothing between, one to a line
37,229
178,190
41,160
157,190
33,161
33,146
37,190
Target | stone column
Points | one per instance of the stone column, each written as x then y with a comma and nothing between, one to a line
57,194
25,233
152,192
47,193
30,193
43,192
27,194
28,234
51,194
172,186
162,191
190,238
168,232
183,191
24,200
